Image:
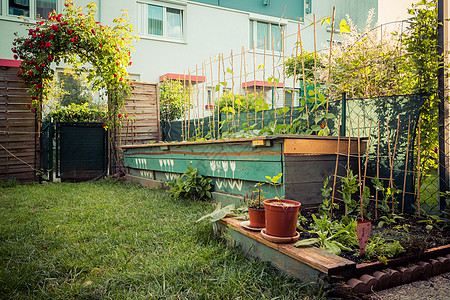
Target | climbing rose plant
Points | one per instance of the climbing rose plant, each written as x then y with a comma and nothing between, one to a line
77,39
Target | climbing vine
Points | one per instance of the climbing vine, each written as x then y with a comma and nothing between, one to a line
77,39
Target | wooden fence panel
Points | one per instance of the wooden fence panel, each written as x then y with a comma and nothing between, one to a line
19,143
143,109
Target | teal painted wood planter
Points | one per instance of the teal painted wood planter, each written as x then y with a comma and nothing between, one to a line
236,165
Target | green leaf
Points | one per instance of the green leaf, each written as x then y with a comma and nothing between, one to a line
218,213
325,20
306,242
315,128
331,247
343,27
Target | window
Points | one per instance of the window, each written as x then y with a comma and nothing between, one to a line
270,32
27,8
161,21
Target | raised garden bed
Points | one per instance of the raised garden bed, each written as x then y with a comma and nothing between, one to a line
312,263
236,165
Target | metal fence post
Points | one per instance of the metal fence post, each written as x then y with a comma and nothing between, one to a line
343,113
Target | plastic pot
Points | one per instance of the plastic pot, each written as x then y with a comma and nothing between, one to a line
281,217
257,217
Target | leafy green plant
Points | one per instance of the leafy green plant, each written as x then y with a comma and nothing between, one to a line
218,213
77,113
327,204
173,99
389,220
349,186
9,182
434,222
255,199
273,181
232,103
191,185
382,249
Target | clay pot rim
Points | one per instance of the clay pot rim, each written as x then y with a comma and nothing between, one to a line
290,203
258,209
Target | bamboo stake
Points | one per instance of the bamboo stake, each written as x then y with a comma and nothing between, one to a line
315,64
348,155
197,100
359,174
329,57
254,83
406,166
240,91
185,104
232,89
218,99
245,81
378,171
225,86
367,156
393,157
390,162
418,168
264,83
338,150
204,90
189,107
273,82
303,72
212,100
284,78
295,72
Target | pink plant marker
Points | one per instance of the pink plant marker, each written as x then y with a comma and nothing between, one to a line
363,229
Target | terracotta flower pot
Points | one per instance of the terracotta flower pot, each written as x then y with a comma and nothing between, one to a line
257,217
281,217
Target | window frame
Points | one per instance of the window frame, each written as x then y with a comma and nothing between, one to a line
142,19
5,15
253,32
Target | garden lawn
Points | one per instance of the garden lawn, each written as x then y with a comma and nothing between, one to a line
116,240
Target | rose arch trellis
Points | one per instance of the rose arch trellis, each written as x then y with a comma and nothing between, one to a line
78,40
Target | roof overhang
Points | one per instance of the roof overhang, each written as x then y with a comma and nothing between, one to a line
10,63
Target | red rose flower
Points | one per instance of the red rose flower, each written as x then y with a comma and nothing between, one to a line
15,56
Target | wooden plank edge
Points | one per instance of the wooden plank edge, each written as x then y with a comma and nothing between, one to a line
150,183
340,264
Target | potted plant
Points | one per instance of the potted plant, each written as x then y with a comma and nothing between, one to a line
281,214
255,207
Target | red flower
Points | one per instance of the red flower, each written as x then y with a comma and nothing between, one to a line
115,75
30,73
48,44
93,31
51,36
117,63
28,106
435,149
322,125
33,111
15,56
50,58
43,64
73,40
130,63
69,31
119,115
120,79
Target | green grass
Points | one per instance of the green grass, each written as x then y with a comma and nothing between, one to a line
112,240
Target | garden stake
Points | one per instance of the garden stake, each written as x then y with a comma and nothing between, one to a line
393,156
295,73
245,80
284,79
378,171
189,106
303,72
359,173
264,82
391,183
224,87
329,58
254,82
418,169
218,98
348,153
315,65
212,101
198,104
184,104
232,89
367,156
338,150
406,166
273,75
240,86
205,90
